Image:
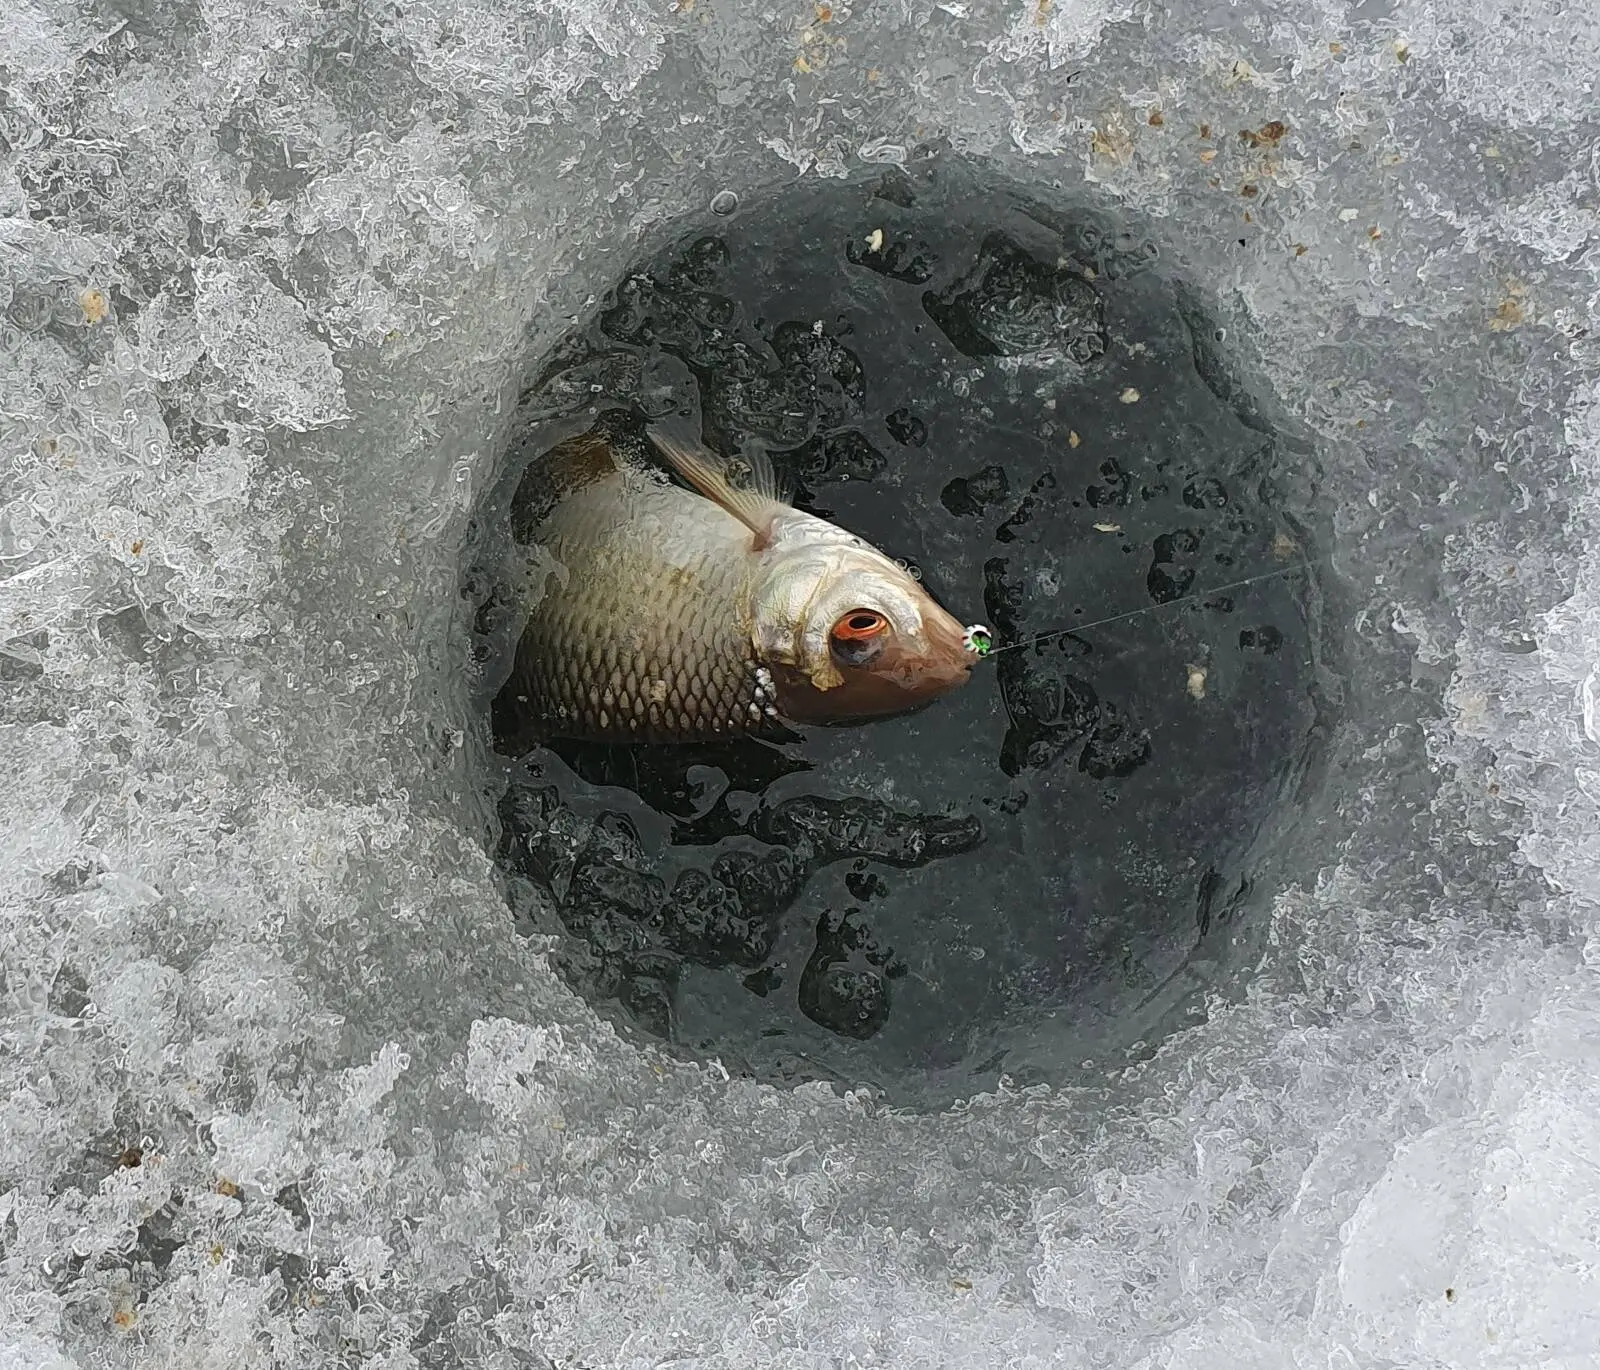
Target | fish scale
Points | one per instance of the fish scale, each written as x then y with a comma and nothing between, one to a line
649,641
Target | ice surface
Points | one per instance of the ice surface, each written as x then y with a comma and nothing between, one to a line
281,1084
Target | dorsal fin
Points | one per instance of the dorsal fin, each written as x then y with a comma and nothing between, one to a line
755,501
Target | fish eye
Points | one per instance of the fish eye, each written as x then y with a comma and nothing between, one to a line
859,624
858,636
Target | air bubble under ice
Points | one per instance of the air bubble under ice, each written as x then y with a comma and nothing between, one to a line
283,1085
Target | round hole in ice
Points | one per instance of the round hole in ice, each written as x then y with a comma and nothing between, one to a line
1056,864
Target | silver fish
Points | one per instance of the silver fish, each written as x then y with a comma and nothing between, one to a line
677,616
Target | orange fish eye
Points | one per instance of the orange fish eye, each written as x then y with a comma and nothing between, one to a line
860,625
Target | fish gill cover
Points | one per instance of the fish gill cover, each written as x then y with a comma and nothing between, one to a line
282,1083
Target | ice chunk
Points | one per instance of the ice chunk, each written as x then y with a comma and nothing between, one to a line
169,338
1514,68
545,53
1403,1245
259,338
40,39
39,835
36,598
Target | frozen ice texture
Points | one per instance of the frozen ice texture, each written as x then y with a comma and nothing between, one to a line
256,336
280,1084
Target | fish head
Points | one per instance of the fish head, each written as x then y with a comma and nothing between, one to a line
847,632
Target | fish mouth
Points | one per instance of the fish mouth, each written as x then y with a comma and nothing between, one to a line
926,676
954,653
881,691
944,676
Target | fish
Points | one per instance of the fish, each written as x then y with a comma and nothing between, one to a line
713,609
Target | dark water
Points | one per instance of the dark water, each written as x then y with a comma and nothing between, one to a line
1015,399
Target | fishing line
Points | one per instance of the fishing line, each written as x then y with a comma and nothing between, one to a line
1446,526
1151,608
